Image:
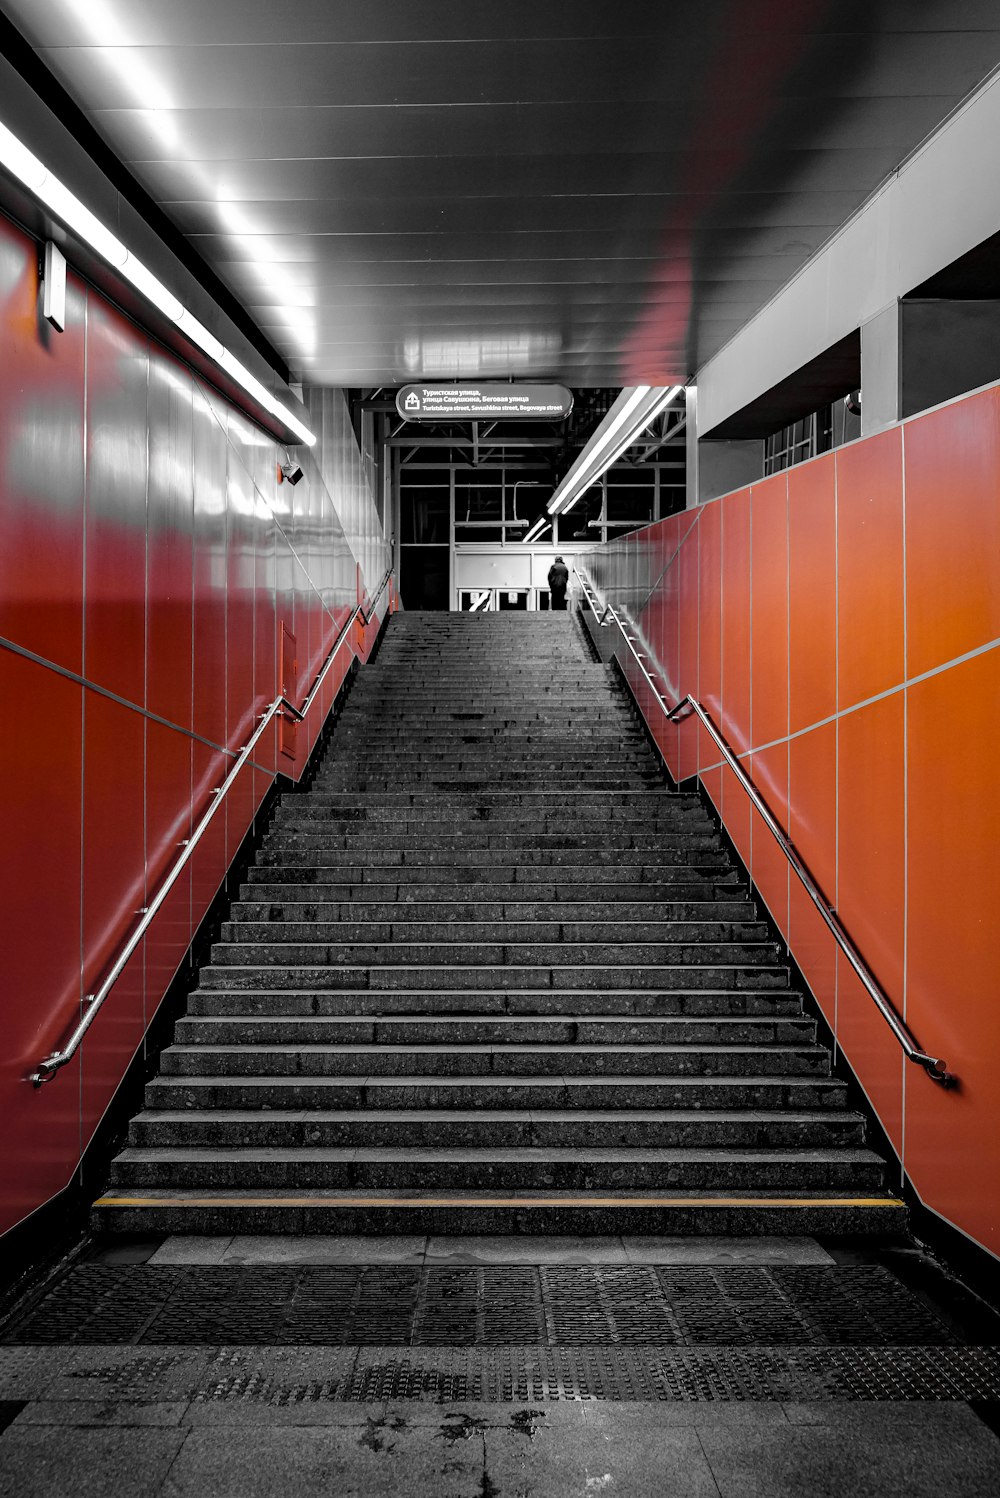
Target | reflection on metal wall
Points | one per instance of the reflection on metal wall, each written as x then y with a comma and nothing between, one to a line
841,624
338,461
147,550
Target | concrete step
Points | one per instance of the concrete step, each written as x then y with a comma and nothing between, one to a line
483,838
576,1213
687,886
245,1060
622,1004
506,1128
510,1169
520,933
735,914
491,954
702,852
433,979
537,1093
507,1029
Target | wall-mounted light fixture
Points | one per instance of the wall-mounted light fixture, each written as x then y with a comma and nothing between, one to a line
628,418
55,196
54,285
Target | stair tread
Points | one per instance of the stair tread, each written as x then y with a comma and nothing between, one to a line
465,1154
495,1115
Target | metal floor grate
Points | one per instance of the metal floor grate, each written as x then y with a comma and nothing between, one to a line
271,1378
501,1306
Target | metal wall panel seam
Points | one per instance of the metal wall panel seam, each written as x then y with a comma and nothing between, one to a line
836,745
145,727
84,430
788,706
906,808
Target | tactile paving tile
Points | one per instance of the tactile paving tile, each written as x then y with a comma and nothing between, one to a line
464,1306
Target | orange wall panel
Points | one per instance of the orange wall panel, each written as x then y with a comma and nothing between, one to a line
891,569
953,1139
812,593
769,866
869,567
769,610
812,800
736,588
952,496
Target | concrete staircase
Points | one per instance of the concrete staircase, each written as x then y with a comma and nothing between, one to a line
489,975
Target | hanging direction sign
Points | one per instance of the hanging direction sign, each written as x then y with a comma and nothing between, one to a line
484,402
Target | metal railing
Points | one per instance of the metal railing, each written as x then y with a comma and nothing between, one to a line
281,706
688,706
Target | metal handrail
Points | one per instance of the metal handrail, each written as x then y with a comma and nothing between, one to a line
52,1063
688,705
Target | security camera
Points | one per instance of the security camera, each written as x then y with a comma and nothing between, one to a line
290,473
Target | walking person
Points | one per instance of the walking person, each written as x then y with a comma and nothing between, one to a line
558,583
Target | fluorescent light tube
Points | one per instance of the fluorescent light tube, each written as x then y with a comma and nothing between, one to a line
19,161
86,225
152,289
53,193
609,446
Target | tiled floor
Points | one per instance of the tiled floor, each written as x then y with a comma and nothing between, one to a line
150,1421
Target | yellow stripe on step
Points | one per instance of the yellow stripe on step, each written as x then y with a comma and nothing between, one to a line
498,1201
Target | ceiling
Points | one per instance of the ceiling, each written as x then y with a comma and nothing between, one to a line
598,192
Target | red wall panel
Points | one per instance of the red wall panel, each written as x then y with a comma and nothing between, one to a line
144,548
115,600
114,889
41,459
40,884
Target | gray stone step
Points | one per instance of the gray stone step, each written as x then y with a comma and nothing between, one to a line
495,1060
492,954
483,839
486,1092
511,1169
518,932
279,886
573,1213
443,1002
505,1128
434,979
736,913
554,1029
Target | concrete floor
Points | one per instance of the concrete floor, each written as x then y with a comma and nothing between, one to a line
86,1422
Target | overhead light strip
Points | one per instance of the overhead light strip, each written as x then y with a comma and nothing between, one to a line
640,407
59,200
540,525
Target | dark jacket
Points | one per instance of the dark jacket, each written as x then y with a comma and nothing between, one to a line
558,577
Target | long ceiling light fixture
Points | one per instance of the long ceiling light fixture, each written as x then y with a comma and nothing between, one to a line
628,418
65,205
540,525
